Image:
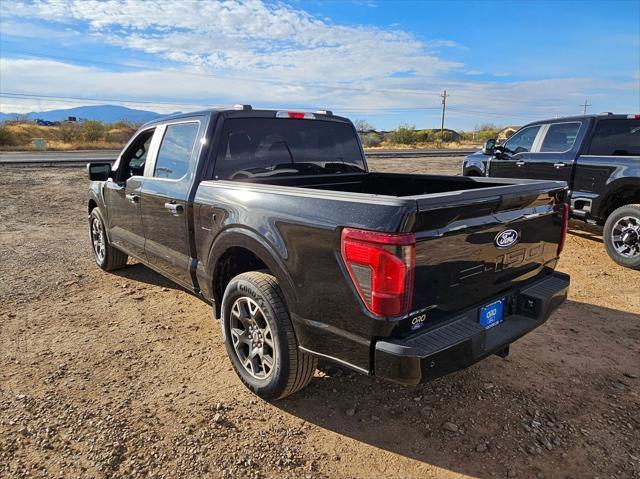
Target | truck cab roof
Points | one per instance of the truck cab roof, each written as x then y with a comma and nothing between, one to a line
247,111
593,116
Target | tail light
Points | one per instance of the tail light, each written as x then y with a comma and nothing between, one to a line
381,266
565,226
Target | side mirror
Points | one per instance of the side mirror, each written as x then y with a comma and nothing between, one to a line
99,171
489,146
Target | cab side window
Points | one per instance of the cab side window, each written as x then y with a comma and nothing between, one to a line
134,158
174,156
616,138
560,137
522,141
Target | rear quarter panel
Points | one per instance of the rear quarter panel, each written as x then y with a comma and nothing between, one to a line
598,177
299,233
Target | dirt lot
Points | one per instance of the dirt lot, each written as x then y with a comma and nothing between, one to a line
124,375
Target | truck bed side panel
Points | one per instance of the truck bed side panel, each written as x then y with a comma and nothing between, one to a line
596,177
303,231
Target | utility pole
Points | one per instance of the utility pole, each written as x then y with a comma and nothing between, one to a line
444,106
585,105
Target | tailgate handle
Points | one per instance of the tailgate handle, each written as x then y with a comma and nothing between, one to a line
559,165
174,208
520,163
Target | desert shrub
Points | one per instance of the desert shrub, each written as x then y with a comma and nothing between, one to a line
404,135
370,140
7,138
446,137
428,136
92,130
486,134
467,135
120,135
120,124
69,132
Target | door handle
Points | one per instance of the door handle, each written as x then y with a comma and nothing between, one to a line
559,165
133,198
174,208
519,163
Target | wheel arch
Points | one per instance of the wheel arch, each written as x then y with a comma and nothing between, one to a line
240,250
619,194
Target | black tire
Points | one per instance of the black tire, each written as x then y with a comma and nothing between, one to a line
112,258
630,259
292,369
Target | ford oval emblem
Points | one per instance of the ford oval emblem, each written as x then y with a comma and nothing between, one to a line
507,238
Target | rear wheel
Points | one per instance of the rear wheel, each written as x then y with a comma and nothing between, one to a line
259,337
106,256
622,236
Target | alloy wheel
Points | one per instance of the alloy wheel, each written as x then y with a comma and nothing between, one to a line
98,239
252,338
625,236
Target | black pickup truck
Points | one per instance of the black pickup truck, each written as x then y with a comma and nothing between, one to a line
274,219
599,158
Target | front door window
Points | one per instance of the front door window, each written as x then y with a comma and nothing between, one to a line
522,141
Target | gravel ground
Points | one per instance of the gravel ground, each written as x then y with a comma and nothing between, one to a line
124,375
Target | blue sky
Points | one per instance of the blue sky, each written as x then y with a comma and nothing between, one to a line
386,62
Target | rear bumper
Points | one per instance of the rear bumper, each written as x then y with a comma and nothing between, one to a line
461,341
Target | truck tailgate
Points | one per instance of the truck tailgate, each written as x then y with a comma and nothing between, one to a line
460,260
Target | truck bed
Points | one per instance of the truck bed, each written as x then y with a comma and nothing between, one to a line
399,185
455,221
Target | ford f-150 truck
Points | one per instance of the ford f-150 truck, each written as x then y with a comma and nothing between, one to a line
274,219
597,155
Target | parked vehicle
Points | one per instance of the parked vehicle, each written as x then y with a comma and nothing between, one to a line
599,158
274,219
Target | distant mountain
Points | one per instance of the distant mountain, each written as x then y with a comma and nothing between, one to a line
105,113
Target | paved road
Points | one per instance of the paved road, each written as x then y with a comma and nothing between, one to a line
70,158
80,158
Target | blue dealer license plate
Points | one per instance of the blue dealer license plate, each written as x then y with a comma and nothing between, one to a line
492,314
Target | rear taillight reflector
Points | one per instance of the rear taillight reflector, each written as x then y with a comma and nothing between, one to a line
295,114
565,227
633,117
381,266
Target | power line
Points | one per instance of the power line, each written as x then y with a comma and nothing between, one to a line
491,113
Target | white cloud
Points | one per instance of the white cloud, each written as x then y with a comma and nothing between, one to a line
273,40
216,48
170,90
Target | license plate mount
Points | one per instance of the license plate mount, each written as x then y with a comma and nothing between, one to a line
492,314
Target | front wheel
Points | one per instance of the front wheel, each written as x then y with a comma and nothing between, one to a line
260,339
622,236
106,256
